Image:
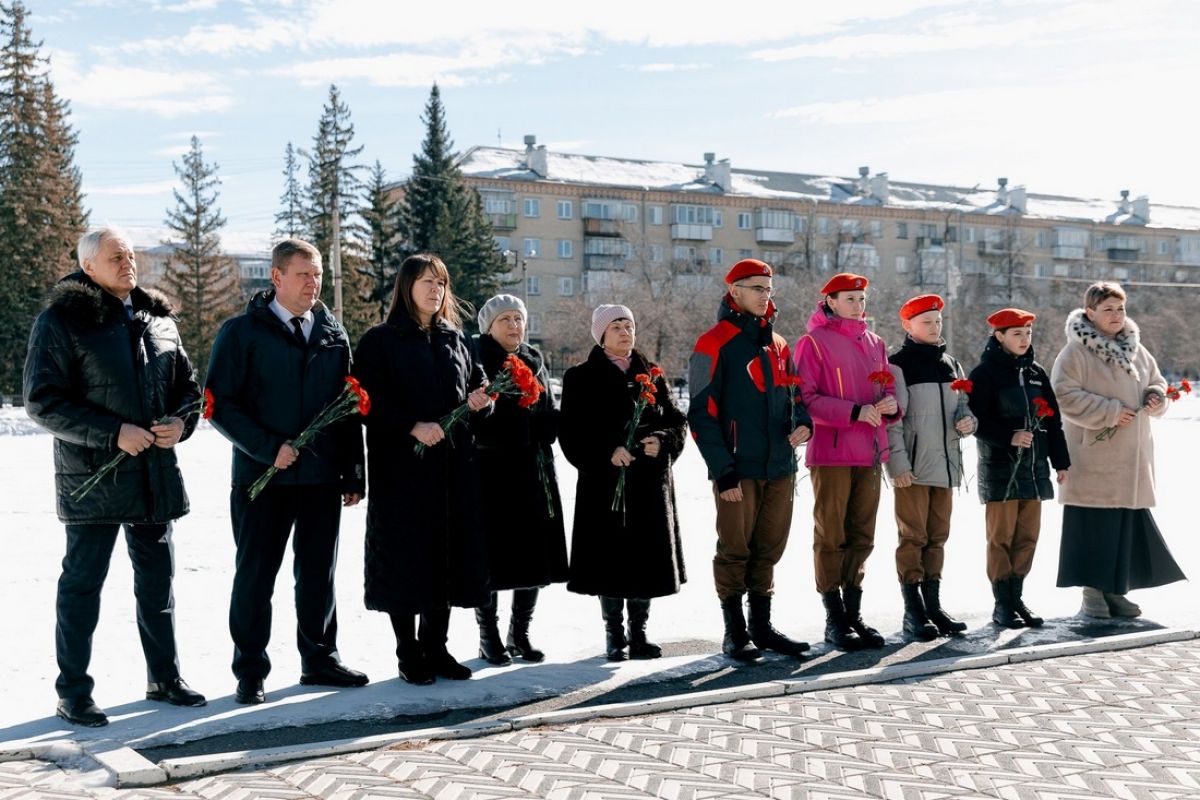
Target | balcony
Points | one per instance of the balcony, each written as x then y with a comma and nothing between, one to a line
923,242
1068,251
994,248
1123,253
503,222
601,227
774,235
695,233
608,263
1189,258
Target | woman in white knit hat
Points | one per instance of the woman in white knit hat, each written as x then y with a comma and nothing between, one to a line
628,555
529,550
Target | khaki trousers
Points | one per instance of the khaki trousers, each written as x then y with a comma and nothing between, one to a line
751,536
844,506
1012,534
923,525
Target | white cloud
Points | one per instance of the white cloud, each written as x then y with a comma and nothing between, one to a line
187,6
162,92
132,189
667,66
406,69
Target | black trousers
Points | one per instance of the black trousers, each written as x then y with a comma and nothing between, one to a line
84,568
260,531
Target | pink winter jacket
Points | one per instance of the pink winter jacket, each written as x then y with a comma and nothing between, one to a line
834,359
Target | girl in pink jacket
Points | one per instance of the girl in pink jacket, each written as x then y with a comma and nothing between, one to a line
848,390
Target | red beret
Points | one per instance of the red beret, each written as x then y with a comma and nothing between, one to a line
845,282
1011,318
748,268
920,304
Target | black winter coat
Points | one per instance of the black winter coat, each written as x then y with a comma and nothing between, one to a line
1002,401
426,547
88,370
267,388
526,545
638,552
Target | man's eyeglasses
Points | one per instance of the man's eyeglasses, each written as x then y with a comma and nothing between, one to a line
760,290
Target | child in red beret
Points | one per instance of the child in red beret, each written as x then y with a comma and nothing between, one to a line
1019,437
926,462
848,390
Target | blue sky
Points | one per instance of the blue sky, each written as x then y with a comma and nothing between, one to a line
1077,98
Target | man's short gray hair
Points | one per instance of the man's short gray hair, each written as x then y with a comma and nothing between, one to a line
89,243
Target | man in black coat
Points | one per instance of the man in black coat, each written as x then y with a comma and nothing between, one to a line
273,369
106,373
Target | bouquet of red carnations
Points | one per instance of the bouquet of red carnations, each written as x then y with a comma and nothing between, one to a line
1174,392
516,379
1041,411
645,398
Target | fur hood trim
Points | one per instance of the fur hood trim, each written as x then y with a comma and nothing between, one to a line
1120,349
84,303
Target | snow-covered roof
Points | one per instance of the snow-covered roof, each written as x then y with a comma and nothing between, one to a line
603,171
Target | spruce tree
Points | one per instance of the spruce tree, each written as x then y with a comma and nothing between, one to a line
203,282
382,219
41,208
289,221
442,215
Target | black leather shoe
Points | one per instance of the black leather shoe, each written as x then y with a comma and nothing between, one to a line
334,675
175,692
250,692
81,711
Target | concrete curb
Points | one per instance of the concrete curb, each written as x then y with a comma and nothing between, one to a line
131,769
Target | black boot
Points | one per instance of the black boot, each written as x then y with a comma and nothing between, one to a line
613,610
853,599
432,635
737,639
1017,584
409,657
945,623
523,603
837,627
491,649
1003,613
639,646
916,622
763,633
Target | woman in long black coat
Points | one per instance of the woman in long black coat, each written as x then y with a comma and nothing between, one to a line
526,550
425,546
629,555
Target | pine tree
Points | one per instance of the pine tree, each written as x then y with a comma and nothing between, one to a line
41,207
289,221
442,215
382,219
203,281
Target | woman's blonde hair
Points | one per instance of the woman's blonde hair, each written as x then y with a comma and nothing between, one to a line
1097,293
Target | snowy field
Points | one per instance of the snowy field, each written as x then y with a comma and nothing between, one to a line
567,626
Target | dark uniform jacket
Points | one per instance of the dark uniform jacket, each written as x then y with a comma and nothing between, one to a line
91,368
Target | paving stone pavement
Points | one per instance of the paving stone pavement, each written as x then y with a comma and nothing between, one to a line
1118,724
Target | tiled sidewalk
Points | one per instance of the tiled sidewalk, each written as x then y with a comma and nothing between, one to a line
1118,724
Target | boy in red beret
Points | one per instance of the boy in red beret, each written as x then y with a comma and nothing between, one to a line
850,395
1019,437
926,462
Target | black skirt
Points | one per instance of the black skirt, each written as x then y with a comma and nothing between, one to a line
1114,550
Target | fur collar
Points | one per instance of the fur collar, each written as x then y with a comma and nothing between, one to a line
84,303
1120,349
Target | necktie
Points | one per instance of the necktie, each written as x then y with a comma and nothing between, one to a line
129,311
298,330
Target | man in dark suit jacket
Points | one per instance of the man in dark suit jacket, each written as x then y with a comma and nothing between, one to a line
105,373
272,370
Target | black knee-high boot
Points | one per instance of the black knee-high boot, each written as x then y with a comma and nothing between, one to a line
613,610
491,648
523,604
432,635
409,657
639,645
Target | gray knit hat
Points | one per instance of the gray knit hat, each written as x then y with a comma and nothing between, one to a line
496,306
606,314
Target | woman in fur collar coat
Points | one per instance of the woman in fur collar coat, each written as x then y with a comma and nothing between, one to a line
1108,387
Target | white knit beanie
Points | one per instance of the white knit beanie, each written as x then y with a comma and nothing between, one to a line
605,314
497,305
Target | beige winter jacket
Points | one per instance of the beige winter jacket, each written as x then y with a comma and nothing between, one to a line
1094,377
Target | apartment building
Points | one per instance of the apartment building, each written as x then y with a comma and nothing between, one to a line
575,225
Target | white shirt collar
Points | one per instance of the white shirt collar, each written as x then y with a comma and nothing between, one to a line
286,316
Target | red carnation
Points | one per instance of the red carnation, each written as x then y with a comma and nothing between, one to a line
963,385
206,407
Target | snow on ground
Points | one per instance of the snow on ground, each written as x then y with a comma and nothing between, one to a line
567,626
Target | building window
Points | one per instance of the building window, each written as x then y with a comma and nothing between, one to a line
901,230
743,220
801,223
501,242
630,212
970,266
535,325
1062,270
565,209
533,285
930,232
656,253
566,287
693,215
823,225
654,215
533,207
1039,239
566,248
969,235
683,253
823,260
716,255
533,248
718,219
876,228
745,254
1041,270
901,263
1164,248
